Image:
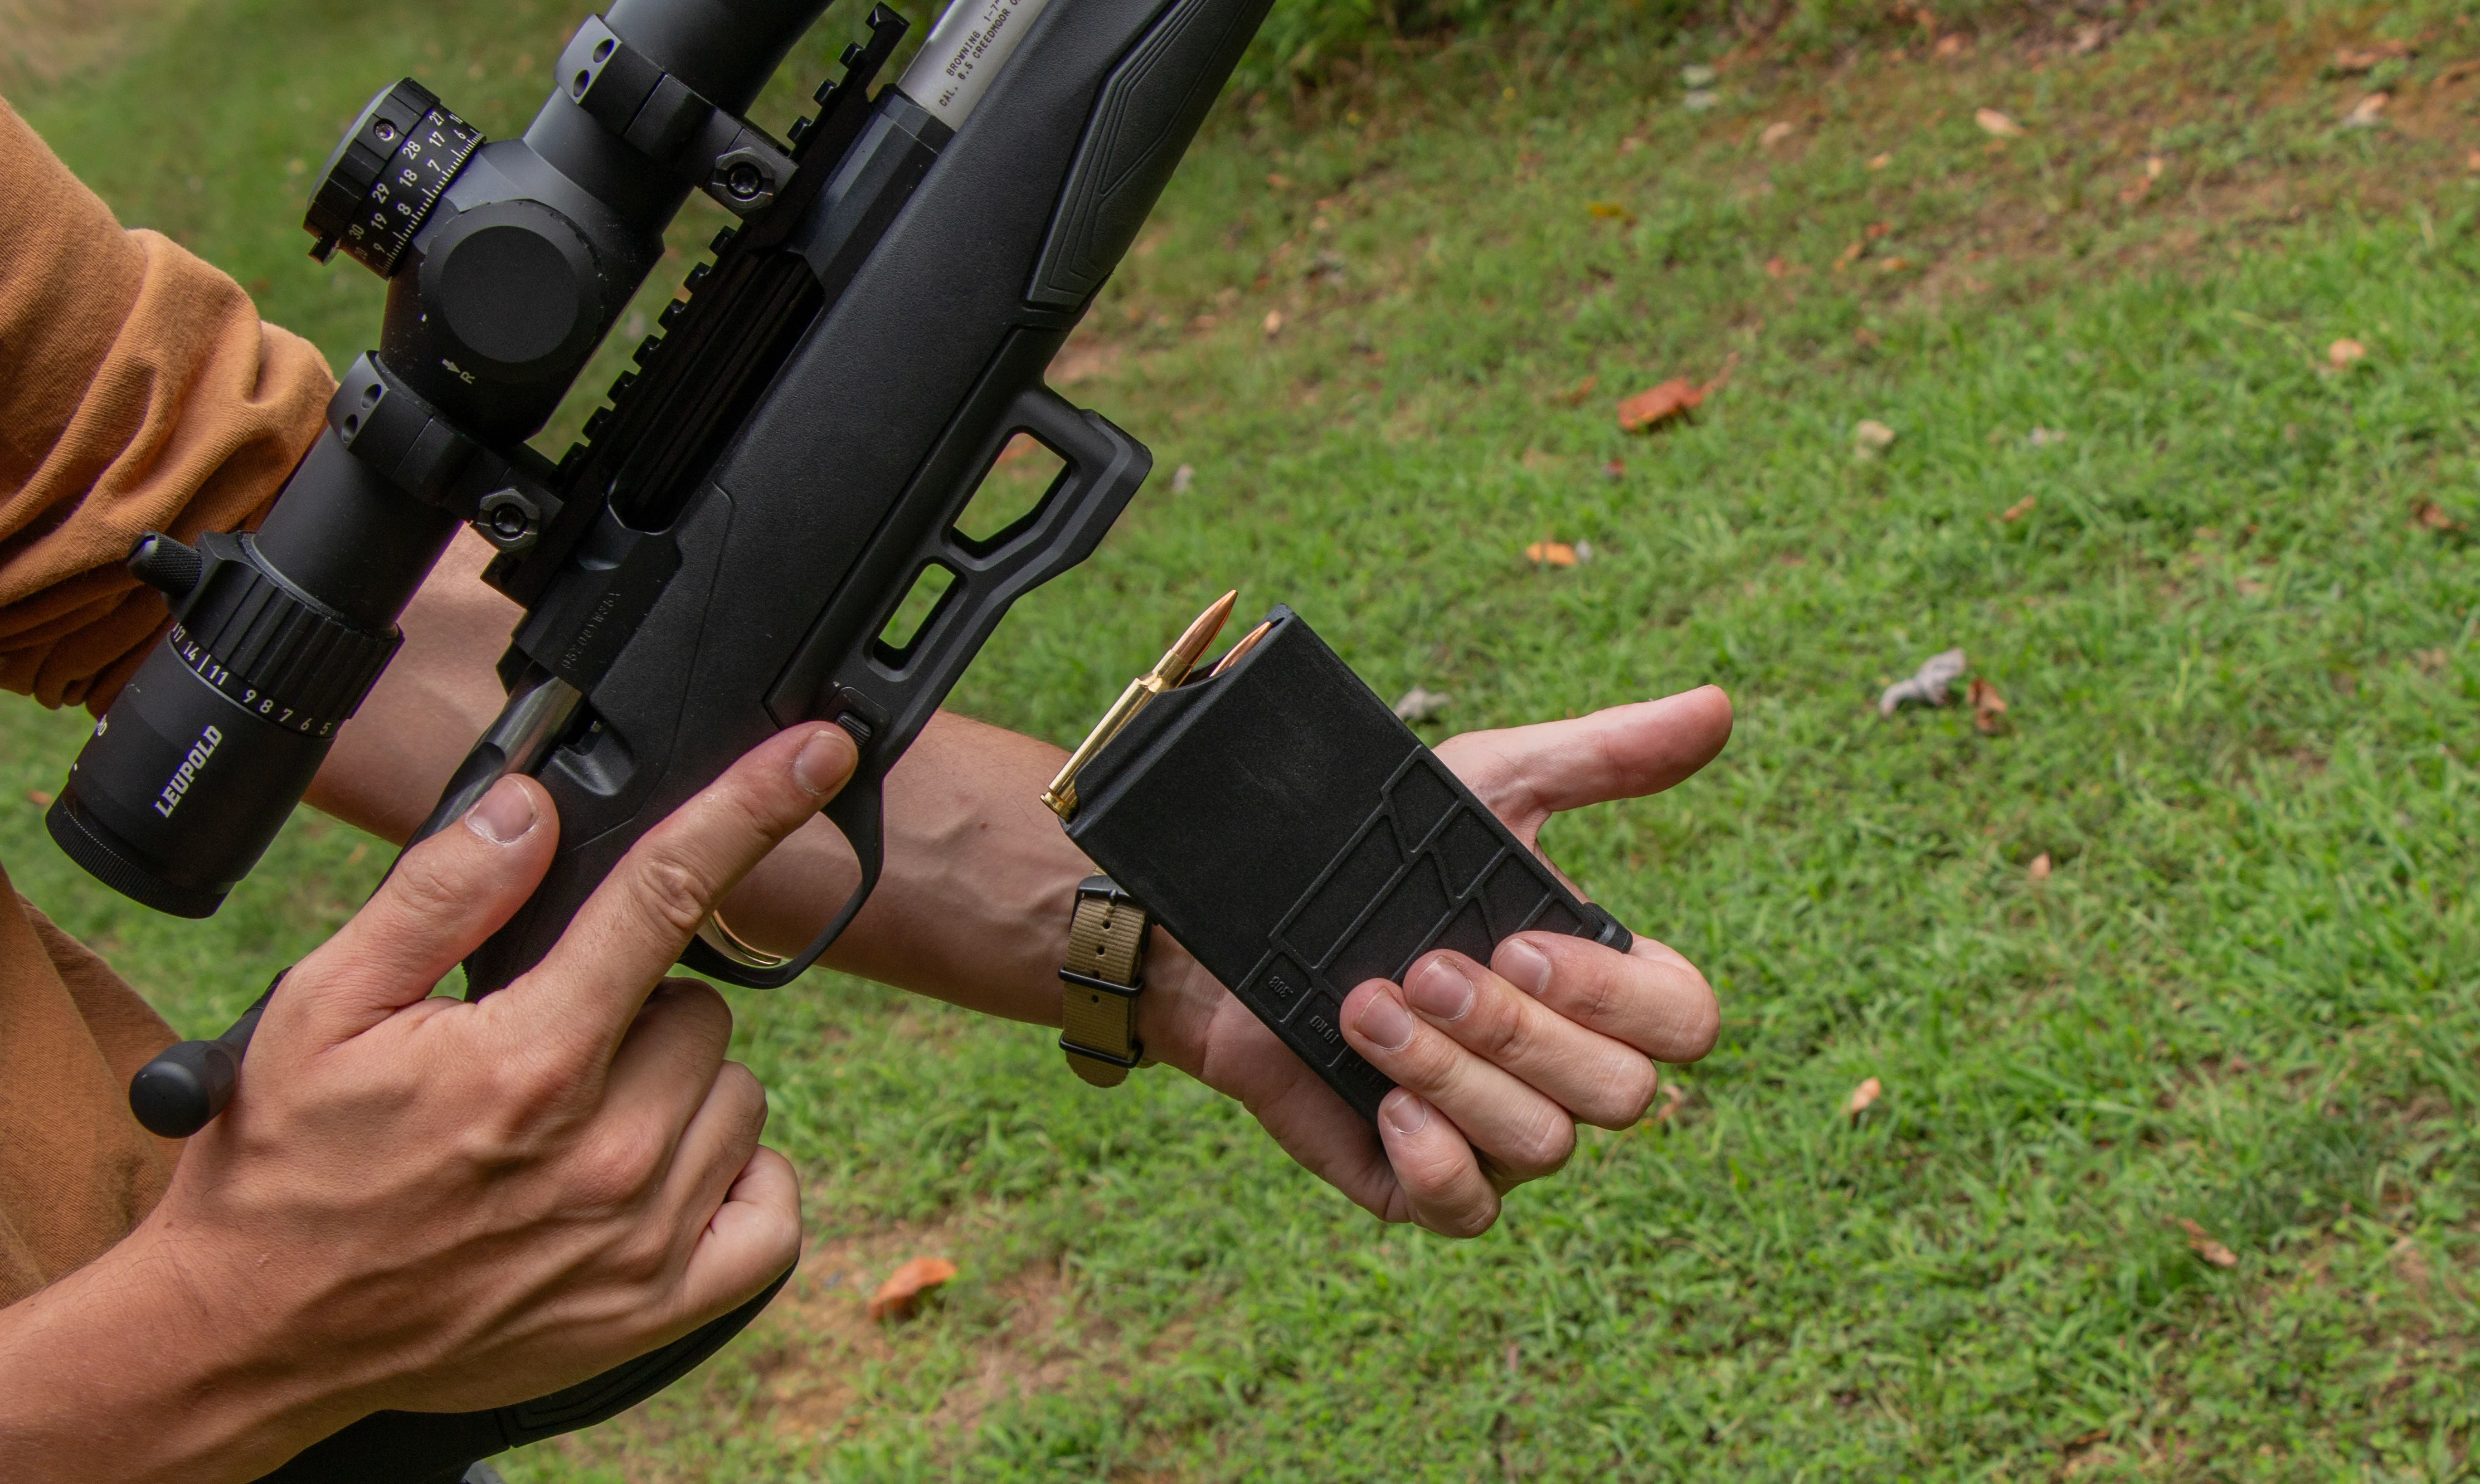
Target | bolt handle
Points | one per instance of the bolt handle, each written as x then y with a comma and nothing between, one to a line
182,1091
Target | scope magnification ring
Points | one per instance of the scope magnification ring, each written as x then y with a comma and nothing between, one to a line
387,174
273,652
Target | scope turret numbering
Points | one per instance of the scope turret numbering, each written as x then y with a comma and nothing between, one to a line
386,175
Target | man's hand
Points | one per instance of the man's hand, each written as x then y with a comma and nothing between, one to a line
421,1203
1497,1065
980,881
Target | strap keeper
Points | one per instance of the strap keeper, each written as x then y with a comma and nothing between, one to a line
1124,1064
1087,981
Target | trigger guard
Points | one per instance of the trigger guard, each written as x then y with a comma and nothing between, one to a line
856,810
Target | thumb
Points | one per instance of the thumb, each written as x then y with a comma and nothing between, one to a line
1527,773
445,896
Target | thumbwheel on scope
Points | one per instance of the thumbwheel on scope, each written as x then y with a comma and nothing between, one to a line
386,175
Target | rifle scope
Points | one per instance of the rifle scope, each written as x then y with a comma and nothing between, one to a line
506,263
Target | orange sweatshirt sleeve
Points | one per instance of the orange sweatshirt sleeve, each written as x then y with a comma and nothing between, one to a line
138,391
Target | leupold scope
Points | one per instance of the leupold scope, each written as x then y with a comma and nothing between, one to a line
506,263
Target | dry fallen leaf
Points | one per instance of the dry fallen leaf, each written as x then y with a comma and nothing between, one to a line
1612,211
1182,477
1550,553
1775,133
2364,113
1274,324
1777,268
1672,1100
2018,510
1928,684
1575,396
2205,1245
903,1288
1866,337
2363,59
1419,706
1880,162
1870,438
2143,186
2430,514
1950,44
2343,352
36,796
1987,705
1995,123
1862,1096
1656,405
2040,868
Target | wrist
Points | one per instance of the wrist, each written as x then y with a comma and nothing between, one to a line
148,1364
1177,1006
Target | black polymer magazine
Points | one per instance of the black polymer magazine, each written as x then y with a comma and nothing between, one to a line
1280,823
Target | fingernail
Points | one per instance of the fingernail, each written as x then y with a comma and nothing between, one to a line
505,814
825,761
1440,991
1385,1022
1525,967
1404,1111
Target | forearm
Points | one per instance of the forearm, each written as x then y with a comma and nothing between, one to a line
116,1375
390,761
973,907
973,903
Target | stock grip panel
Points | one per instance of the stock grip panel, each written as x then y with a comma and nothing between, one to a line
845,478
846,673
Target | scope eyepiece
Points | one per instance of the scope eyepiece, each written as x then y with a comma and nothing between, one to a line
181,787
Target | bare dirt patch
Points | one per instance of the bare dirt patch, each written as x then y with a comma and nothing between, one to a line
43,41
818,1339
816,1369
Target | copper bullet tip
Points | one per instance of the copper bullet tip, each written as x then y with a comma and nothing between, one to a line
1183,656
1248,642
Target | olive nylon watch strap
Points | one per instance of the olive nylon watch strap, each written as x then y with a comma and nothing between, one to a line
1106,955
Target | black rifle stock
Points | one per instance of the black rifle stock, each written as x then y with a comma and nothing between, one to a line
842,483
719,559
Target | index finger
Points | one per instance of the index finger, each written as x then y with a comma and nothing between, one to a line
1650,997
631,931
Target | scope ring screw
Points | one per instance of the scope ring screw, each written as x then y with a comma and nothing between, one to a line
745,175
508,520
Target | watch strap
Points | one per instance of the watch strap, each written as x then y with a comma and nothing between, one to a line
1100,981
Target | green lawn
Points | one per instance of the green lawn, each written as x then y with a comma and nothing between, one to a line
2232,619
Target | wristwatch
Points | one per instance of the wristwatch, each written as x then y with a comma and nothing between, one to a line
1103,976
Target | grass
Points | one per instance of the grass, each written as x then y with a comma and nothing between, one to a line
2234,624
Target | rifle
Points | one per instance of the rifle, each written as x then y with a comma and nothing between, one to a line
723,555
